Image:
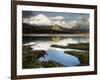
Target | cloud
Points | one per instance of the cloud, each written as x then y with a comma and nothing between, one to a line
79,22
41,19
38,20
83,20
57,18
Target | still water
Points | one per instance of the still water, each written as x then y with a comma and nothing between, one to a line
57,54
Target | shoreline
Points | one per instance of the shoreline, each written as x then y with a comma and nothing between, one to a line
62,35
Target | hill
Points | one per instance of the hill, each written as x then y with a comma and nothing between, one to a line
51,29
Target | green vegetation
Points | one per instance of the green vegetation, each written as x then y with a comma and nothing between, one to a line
36,54
82,56
79,46
50,63
30,59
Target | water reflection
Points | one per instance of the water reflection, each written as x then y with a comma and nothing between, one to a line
44,43
57,54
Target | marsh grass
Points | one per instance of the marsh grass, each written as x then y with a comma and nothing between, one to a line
82,56
30,59
79,46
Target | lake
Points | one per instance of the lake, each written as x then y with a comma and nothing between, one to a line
53,53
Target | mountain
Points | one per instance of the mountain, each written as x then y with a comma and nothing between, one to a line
42,28
50,29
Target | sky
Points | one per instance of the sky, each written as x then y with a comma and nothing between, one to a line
66,20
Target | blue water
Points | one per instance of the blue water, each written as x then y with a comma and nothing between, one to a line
60,57
57,54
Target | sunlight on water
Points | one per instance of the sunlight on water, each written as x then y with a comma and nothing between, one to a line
44,45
